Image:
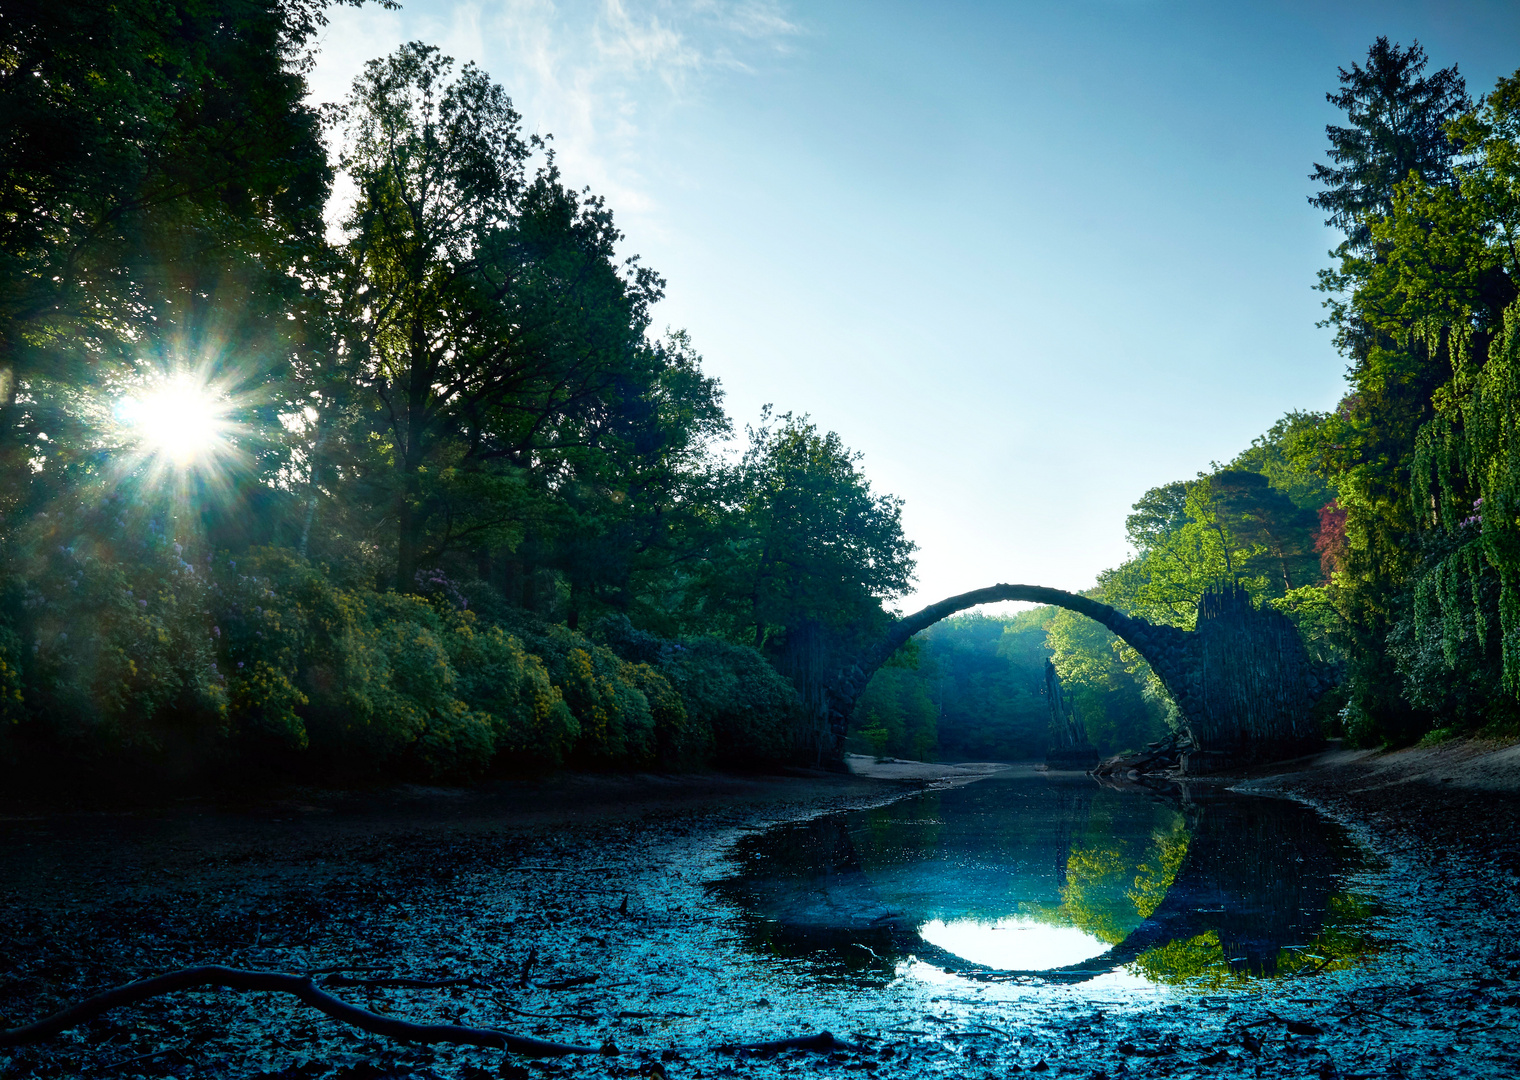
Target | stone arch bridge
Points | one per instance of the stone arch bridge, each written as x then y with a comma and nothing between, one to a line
1242,680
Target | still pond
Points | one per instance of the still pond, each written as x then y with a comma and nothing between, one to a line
1027,879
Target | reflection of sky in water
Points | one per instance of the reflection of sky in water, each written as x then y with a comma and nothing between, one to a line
1017,879
1021,944
1125,980
1017,944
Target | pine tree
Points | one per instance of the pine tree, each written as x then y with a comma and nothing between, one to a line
1398,118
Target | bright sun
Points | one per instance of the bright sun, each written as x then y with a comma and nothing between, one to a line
179,419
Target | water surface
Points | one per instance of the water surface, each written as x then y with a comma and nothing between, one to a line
1033,878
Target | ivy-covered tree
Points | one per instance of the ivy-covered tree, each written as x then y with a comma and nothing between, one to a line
1420,301
1398,135
1451,289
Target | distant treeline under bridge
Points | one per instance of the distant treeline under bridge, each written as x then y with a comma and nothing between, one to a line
1242,680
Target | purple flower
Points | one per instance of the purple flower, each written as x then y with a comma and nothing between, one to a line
142,603
216,631
240,665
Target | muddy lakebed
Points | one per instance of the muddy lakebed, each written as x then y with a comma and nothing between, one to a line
973,926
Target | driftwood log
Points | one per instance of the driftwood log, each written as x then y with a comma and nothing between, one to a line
304,988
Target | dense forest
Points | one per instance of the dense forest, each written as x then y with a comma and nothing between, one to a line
972,688
420,492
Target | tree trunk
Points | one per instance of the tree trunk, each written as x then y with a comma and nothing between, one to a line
406,545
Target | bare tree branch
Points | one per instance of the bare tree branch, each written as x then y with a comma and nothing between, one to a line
302,987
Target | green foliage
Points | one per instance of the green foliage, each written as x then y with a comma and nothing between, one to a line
458,402
161,192
1253,523
977,689
977,686
373,679
968,688
533,725
896,713
821,546
1421,448
1111,688
731,691
812,553
1114,885
990,685
485,312
122,653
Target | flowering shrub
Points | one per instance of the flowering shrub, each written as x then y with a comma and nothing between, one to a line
678,743
613,713
531,722
435,583
735,707
389,678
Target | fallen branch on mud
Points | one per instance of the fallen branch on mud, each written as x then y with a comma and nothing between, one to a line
302,987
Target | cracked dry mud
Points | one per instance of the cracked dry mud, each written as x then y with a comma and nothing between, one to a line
607,884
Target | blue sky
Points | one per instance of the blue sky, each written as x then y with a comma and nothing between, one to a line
1030,258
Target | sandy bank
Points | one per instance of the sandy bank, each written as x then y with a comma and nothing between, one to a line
1473,764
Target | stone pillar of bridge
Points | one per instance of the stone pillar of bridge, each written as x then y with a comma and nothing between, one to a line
1253,686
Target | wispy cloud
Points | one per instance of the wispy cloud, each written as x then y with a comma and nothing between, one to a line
601,76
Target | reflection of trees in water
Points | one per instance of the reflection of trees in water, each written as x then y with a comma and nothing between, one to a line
1113,885
1255,888
899,833
1221,885
1262,894
1073,812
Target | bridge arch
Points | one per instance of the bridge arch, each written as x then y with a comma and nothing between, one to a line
1241,680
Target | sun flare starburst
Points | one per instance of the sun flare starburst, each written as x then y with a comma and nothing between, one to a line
180,421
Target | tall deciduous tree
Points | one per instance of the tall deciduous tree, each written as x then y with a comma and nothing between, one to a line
817,553
485,316
637,502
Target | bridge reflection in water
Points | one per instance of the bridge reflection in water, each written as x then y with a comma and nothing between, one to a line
1021,877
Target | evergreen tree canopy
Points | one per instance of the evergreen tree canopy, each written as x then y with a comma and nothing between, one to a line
1397,125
